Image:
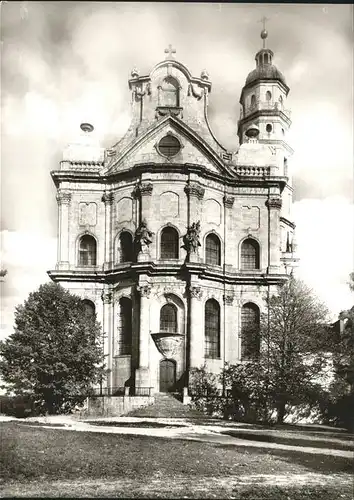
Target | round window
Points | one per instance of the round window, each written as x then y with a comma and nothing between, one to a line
269,128
169,146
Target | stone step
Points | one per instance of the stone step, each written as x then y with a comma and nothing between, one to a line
166,406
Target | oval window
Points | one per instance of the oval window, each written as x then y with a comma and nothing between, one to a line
269,128
169,146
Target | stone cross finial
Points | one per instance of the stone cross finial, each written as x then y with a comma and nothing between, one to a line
169,52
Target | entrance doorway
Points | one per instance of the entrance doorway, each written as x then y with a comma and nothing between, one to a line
167,375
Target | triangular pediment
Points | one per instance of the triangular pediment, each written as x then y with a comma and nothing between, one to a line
146,148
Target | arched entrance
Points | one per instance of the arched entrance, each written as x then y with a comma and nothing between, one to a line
167,375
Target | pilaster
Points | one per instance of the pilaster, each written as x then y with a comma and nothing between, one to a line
64,201
108,199
196,334
107,327
274,204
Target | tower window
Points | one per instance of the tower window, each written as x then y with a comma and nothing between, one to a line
212,329
253,100
125,326
168,318
249,255
250,338
281,102
87,251
126,247
169,243
169,92
268,95
269,128
212,250
169,146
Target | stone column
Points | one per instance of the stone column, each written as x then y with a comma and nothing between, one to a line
64,200
228,257
274,205
107,334
108,199
231,324
196,333
195,193
142,375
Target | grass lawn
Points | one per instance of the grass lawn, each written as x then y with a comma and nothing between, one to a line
56,462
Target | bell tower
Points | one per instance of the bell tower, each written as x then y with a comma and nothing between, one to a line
264,104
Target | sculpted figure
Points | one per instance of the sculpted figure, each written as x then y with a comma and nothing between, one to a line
191,240
143,237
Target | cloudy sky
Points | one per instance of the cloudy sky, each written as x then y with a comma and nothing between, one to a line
68,62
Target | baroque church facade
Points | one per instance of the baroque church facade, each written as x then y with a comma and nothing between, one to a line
170,239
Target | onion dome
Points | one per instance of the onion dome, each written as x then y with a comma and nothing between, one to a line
265,70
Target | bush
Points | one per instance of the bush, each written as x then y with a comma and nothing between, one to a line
18,406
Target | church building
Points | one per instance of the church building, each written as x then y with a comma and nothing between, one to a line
170,239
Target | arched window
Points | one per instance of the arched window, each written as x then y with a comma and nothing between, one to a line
249,254
125,326
268,95
87,251
212,250
169,243
125,247
269,128
169,92
250,337
90,309
281,102
168,318
212,329
253,100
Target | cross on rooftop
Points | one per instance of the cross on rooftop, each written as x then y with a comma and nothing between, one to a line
170,51
264,33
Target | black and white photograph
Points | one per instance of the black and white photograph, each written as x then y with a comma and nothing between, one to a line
177,250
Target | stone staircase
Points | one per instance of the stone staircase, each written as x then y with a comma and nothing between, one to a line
167,406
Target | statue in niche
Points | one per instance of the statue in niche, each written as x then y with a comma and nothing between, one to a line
191,240
143,237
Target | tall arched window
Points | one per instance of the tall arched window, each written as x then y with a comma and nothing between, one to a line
268,95
250,337
168,318
90,309
212,329
169,243
125,326
249,254
281,102
87,251
169,92
125,247
212,250
253,100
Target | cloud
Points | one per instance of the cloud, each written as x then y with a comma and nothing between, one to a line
26,256
324,233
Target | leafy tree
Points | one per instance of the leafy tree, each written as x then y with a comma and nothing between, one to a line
291,358
55,352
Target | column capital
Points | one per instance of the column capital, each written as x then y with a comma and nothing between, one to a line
108,198
144,290
275,203
143,189
63,197
228,201
228,299
195,292
195,189
106,296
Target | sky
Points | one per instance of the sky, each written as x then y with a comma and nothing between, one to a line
64,63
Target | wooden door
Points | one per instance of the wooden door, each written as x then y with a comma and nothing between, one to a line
167,375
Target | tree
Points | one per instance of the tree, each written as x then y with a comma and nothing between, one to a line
291,356
55,352
293,350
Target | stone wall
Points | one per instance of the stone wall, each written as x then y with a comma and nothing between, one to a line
115,406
